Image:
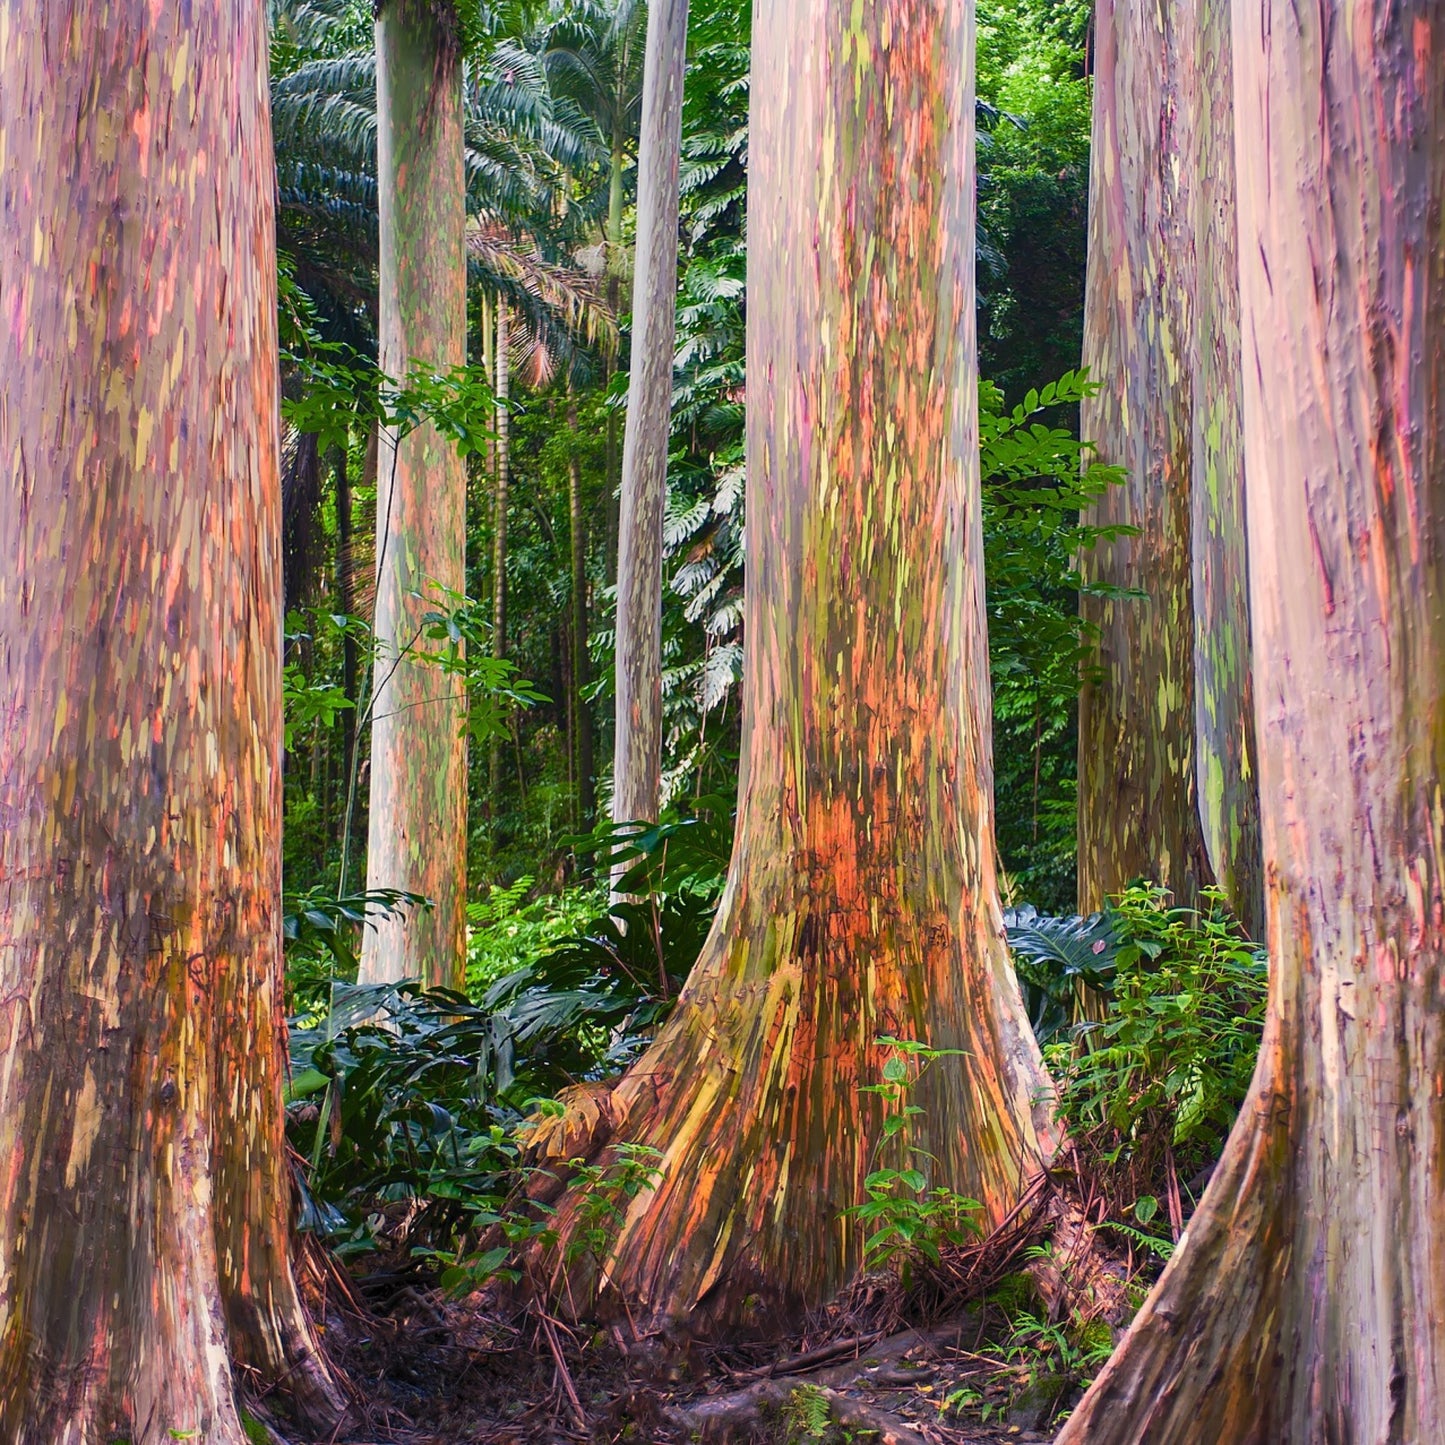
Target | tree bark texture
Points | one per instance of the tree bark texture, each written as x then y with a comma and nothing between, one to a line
417,832
637,749
1226,758
1161,337
1306,1302
861,899
143,1189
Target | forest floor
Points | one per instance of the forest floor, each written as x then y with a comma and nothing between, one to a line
426,1369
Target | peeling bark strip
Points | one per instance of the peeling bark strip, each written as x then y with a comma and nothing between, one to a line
1308,1303
417,832
637,754
861,898
1162,338
143,1192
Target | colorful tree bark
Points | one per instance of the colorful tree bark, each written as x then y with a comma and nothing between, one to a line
1227,786
861,899
144,1189
1307,1301
1165,725
417,833
637,746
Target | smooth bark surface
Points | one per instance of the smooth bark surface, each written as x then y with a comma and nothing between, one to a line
861,899
144,1189
1307,1300
417,835
1161,338
1226,765
637,746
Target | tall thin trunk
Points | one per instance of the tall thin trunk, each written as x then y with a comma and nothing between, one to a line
583,764
1307,1301
417,834
637,745
615,266
1162,338
346,604
488,330
862,898
616,163
1226,764
144,1202
503,391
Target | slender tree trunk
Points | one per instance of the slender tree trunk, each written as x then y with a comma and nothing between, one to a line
1226,761
616,164
584,765
637,747
615,266
346,604
1162,338
1307,1300
499,520
862,898
487,327
417,834
144,1200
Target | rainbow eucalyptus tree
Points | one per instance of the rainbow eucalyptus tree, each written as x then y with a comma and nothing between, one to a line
861,899
1166,732
1307,1301
417,830
143,1200
637,748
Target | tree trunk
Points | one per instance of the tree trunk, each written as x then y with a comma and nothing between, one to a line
584,765
615,260
637,749
1307,1300
1161,337
417,834
346,606
499,522
143,1206
861,899
1226,761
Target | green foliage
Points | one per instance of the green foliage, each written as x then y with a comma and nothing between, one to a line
308,702
1037,478
671,877
807,1417
322,940
1033,191
606,1190
401,1095
1064,1352
908,1219
1150,1092
254,1430
508,930
462,631
1053,958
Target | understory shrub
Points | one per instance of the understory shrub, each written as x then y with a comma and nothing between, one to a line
1149,1091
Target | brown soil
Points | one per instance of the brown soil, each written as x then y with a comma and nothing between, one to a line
884,1366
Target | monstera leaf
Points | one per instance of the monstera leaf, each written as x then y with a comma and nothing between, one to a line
1051,955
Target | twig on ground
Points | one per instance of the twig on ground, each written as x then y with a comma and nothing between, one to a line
564,1375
